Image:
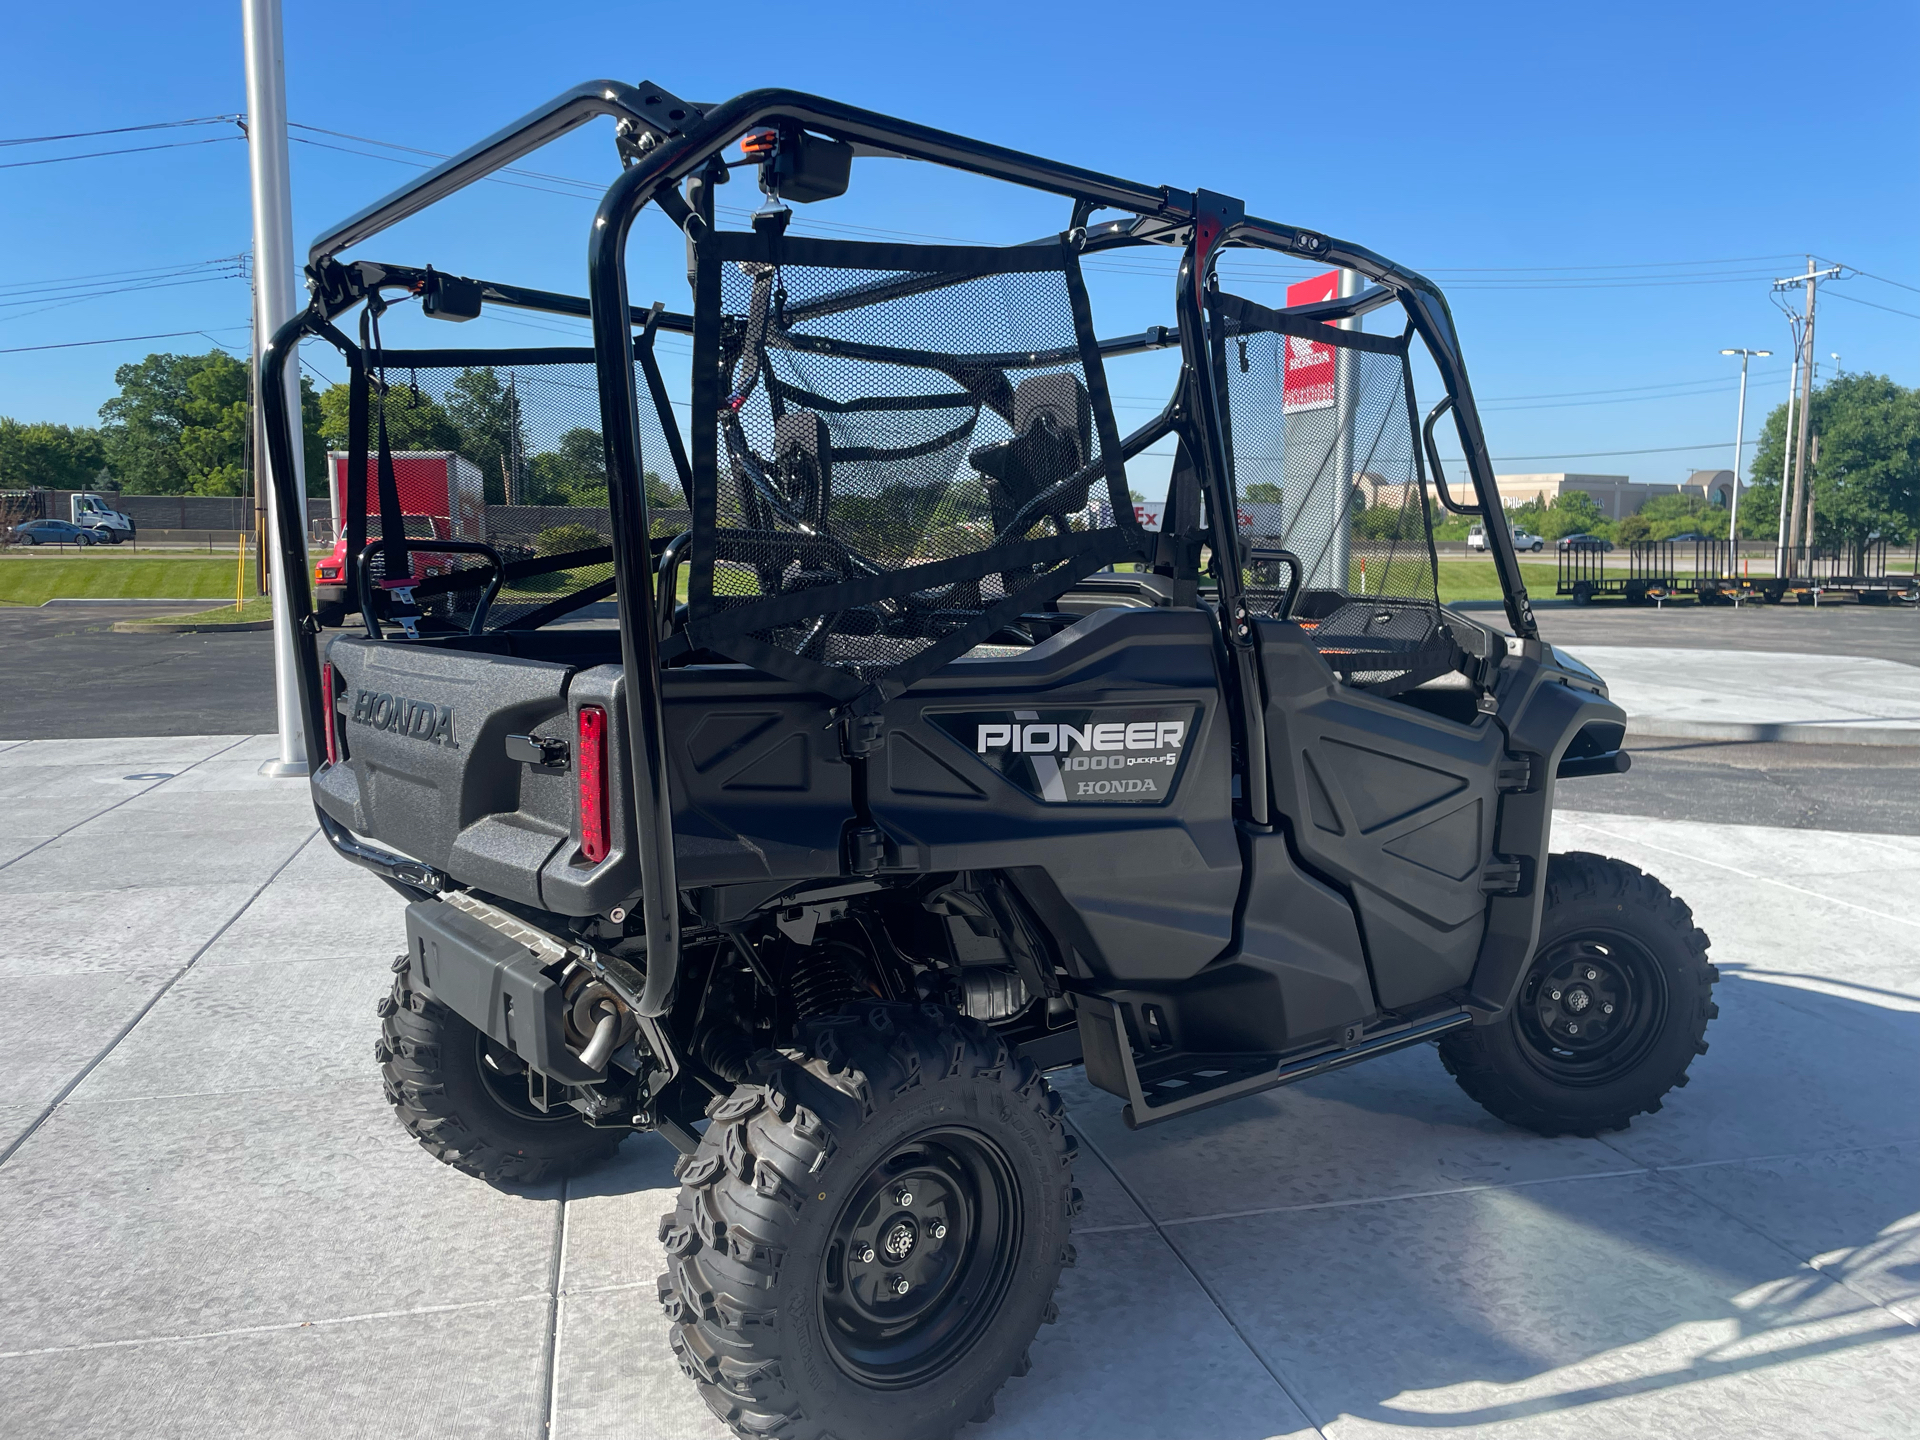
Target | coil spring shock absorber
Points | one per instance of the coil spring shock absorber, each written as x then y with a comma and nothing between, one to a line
826,977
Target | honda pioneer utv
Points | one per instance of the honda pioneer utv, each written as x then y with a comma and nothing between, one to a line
824,744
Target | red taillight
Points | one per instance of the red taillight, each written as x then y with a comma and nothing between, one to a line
590,764
333,718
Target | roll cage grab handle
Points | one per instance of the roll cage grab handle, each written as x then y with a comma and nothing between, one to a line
662,141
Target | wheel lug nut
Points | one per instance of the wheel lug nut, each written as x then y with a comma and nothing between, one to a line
863,1254
1606,1009
938,1230
1554,996
903,1197
1572,1029
1593,974
898,1285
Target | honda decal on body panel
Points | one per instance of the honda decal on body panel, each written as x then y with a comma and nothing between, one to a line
1106,755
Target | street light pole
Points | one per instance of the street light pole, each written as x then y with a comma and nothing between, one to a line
1739,442
275,301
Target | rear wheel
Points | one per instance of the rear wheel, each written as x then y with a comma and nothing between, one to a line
1610,1015
868,1237
466,1099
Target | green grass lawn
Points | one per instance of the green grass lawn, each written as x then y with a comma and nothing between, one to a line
1471,580
29,580
257,608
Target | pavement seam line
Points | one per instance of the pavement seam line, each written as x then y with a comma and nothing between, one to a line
1673,1178
1747,874
13,1146
558,1270
1297,1401
108,810
452,1307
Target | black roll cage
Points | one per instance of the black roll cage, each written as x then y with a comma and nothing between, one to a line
663,141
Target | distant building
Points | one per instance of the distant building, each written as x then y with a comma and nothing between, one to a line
1713,486
1616,495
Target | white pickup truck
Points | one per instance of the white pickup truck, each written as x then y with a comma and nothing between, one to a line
1477,539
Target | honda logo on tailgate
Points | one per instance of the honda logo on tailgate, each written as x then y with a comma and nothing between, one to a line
416,719
1119,755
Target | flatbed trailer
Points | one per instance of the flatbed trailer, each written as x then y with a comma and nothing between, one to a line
1716,576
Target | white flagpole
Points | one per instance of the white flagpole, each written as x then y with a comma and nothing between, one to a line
275,300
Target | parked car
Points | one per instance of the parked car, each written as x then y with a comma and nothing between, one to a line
54,532
1584,541
1522,540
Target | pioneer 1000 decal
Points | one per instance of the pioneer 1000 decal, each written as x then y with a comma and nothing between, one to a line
1111,755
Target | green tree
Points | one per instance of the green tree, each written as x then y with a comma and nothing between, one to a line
179,427
573,473
491,425
414,421
1666,516
1261,492
1867,478
1571,512
46,456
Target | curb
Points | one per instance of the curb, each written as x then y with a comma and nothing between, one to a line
156,627
1788,732
140,600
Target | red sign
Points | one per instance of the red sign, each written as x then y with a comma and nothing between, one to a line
1307,381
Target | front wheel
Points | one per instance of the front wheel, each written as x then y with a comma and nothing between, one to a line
1610,1015
868,1238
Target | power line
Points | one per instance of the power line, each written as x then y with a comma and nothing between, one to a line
127,129
1868,274
1605,454
119,340
163,284
178,268
1856,300
134,150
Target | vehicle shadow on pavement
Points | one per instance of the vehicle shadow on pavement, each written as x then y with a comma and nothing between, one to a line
1417,1263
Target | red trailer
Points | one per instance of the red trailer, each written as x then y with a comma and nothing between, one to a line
442,497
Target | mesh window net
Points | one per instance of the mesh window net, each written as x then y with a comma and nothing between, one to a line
906,451
502,448
1322,437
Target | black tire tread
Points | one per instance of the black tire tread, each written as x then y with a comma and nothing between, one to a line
744,1185
415,1032
1576,877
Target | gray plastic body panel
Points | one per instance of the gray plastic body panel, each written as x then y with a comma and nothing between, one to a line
426,769
1543,709
760,789
1397,805
492,983
1152,886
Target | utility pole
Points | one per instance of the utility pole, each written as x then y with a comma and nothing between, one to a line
1739,442
275,302
1786,451
1802,480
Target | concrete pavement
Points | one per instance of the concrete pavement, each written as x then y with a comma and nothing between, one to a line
214,1227
1748,695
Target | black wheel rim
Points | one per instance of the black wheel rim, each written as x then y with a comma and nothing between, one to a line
920,1258
504,1074
1591,1008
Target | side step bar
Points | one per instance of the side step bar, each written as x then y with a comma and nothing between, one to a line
1183,1082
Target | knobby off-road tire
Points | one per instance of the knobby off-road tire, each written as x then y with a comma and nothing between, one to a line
779,1317
472,1116
1613,1010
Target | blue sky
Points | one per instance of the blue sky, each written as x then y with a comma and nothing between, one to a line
1603,190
